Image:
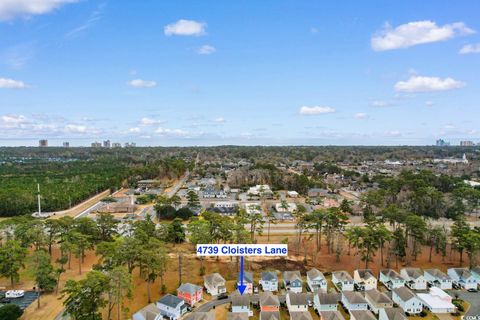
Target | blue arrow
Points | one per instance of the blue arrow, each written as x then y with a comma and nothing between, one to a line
241,287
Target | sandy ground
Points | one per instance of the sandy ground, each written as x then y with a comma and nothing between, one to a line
81,207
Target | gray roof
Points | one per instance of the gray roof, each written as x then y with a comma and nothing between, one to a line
269,315
203,315
476,270
404,293
342,275
189,288
462,272
328,298
149,312
392,274
365,273
395,314
247,277
214,279
268,299
437,274
301,315
354,297
331,315
413,273
240,300
297,299
292,275
237,316
315,274
377,296
362,315
170,300
269,276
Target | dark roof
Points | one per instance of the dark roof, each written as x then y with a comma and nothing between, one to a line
269,276
247,277
170,300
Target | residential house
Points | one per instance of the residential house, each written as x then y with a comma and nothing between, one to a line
269,281
354,300
463,278
247,281
253,208
342,281
292,280
323,301
316,280
296,302
285,211
215,284
331,315
476,273
203,315
316,192
377,300
391,279
437,278
237,316
300,315
292,194
270,315
149,312
361,315
241,304
407,300
269,302
260,191
437,301
190,293
414,278
392,314
171,307
364,279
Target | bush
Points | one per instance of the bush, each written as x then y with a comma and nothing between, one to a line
423,314
184,213
166,212
10,312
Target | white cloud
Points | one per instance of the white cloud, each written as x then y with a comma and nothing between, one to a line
149,121
75,128
429,103
449,127
470,48
185,28
361,115
393,133
139,83
12,121
206,50
134,130
220,120
427,84
309,111
172,132
415,33
6,83
10,9
381,103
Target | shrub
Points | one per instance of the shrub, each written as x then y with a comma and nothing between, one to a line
10,312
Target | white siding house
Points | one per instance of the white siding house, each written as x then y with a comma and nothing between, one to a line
391,279
377,300
462,277
316,280
414,278
353,300
296,302
437,278
364,279
269,281
323,301
407,300
215,284
342,281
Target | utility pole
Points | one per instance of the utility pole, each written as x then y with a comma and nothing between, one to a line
38,200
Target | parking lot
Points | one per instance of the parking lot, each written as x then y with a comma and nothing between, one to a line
473,298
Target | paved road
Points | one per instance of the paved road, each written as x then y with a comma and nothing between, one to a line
471,297
178,185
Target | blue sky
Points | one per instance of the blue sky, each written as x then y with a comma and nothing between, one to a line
247,72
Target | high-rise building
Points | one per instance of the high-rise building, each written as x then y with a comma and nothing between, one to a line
43,143
106,144
116,145
442,143
66,144
467,143
130,145
96,145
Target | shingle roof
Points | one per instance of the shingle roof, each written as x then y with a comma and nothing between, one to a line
392,274
331,315
214,279
315,274
237,316
292,275
269,276
170,300
476,270
354,297
268,299
149,312
377,296
247,277
240,300
328,298
437,274
462,272
365,273
395,314
301,315
269,315
342,275
404,293
297,299
189,288
362,315
413,273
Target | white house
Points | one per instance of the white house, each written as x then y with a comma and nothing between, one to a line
247,281
437,301
414,278
269,281
292,280
462,277
364,279
391,314
149,312
296,302
377,300
323,301
437,278
241,304
171,307
292,194
361,315
215,284
316,280
342,281
354,300
407,300
476,273
391,279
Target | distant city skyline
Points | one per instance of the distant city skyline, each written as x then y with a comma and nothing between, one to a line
289,72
